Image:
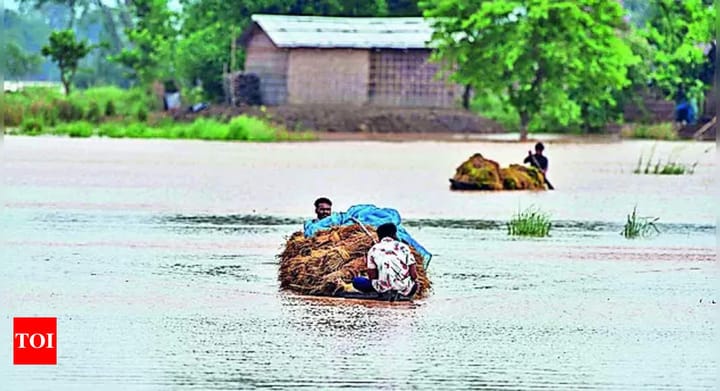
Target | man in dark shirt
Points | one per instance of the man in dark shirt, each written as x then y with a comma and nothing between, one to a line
538,160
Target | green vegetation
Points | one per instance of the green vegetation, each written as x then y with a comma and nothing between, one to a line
669,167
65,50
676,31
242,128
530,222
663,131
17,63
50,106
637,226
536,57
532,65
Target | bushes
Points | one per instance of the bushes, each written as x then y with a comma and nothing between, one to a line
31,127
111,129
93,114
67,111
663,131
75,129
110,109
13,115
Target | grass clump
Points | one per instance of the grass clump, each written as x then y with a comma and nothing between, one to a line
31,127
112,129
530,222
637,226
669,167
75,129
662,131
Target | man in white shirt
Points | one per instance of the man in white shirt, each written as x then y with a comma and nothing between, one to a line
391,265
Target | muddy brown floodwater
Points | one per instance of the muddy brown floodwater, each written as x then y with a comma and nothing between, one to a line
157,258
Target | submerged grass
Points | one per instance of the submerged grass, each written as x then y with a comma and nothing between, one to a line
637,226
530,222
669,167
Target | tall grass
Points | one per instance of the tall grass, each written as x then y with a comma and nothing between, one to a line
241,128
662,131
94,104
669,167
637,226
530,222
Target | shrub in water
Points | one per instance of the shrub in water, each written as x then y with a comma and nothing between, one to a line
637,226
530,222
668,168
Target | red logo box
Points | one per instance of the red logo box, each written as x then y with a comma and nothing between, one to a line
35,341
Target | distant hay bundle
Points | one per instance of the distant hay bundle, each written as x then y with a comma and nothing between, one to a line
312,265
479,173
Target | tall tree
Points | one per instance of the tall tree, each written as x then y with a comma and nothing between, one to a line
153,38
551,59
679,31
17,63
66,51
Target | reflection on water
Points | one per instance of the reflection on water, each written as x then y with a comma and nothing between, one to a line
164,289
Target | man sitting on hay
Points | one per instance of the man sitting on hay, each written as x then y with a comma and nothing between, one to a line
331,253
390,267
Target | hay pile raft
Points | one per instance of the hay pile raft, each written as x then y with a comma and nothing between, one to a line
312,265
478,173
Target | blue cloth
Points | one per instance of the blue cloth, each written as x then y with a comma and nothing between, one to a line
685,111
363,284
370,215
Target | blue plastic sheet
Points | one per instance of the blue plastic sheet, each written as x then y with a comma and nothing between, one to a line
370,215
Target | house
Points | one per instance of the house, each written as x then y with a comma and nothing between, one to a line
345,61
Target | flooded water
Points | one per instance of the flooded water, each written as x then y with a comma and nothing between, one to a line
158,259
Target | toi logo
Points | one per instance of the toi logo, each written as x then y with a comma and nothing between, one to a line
35,341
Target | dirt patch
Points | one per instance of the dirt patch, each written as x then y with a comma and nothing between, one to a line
709,130
360,119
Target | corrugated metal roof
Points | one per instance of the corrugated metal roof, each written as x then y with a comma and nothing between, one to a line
288,31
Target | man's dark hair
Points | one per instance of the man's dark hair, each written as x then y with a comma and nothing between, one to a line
539,147
322,200
387,230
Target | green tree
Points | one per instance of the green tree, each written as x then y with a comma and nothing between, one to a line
403,8
153,38
552,60
66,51
18,63
677,31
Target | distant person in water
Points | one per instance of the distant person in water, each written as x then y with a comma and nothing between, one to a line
323,209
391,266
537,160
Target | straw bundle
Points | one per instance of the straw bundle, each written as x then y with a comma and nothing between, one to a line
312,265
486,174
